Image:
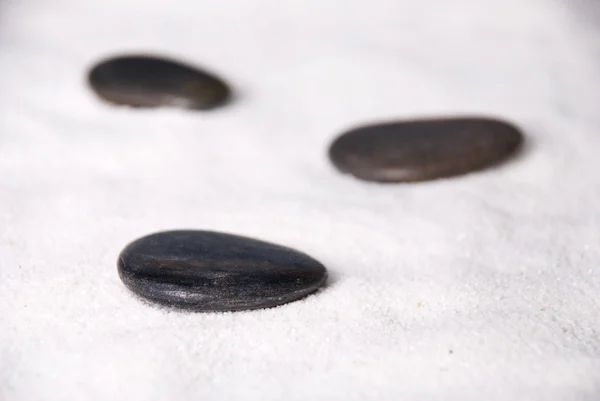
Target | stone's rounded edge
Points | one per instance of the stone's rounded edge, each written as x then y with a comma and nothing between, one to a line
225,97
166,300
375,174
225,93
165,295
394,176
93,80
513,145
509,140
132,97
175,305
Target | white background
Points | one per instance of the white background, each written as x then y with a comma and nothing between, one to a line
483,287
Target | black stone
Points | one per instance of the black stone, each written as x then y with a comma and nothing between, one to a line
419,150
146,81
210,271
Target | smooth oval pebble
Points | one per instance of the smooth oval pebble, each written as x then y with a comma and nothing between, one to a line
211,271
147,81
420,150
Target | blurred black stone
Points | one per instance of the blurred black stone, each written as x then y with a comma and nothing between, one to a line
419,150
146,81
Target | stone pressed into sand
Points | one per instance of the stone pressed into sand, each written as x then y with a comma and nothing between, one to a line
211,271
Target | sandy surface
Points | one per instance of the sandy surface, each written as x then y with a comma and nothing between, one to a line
483,287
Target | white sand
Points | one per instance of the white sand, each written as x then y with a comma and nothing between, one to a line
484,287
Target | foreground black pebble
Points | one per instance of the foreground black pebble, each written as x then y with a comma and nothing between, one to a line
210,271
427,149
147,81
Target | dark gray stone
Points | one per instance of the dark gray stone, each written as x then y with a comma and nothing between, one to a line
146,81
419,150
210,271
